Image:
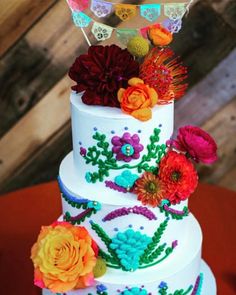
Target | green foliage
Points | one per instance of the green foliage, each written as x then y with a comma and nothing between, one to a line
101,155
151,251
175,215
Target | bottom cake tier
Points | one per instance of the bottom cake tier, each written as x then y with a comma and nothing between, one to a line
181,274
205,285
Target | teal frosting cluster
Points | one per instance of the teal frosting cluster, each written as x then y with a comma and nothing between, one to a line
129,246
126,179
135,291
94,205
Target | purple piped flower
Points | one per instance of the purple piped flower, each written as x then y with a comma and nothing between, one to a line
174,244
127,147
83,152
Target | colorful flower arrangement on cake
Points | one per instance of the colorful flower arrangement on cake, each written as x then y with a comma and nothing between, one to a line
177,177
135,79
64,257
165,172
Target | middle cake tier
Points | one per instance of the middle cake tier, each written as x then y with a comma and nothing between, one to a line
151,235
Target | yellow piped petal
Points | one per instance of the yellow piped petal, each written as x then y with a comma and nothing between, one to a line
120,94
142,114
134,81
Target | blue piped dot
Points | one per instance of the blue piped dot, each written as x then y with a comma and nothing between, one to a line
113,132
80,143
90,221
130,225
95,129
116,229
126,128
160,125
141,227
139,131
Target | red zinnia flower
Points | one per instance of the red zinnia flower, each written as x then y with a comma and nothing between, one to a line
165,73
197,143
149,189
101,73
178,175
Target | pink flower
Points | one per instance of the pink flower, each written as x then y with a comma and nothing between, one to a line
196,143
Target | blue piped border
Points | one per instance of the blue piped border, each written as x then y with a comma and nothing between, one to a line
69,197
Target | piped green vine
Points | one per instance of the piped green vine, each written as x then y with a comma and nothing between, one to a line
101,155
150,256
165,208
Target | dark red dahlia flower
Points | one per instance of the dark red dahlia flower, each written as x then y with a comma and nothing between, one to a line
197,143
101,73
178,176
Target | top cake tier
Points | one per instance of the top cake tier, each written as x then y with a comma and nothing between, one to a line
112,148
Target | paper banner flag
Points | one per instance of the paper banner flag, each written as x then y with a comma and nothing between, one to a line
78,5
124,35
150,11
101,32
125,11
174,10
100,8
173,26
80,19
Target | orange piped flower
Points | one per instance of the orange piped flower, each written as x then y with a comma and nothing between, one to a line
159,36
165,73
149,189
138,99
64,257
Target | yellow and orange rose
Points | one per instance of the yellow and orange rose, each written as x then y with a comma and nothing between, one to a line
138,99
159,35
64,257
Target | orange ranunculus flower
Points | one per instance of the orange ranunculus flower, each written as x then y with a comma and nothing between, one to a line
64,257
138,99
159,36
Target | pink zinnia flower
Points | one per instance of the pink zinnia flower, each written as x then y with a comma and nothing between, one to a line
196,143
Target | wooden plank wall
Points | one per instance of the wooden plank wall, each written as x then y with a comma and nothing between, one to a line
38,43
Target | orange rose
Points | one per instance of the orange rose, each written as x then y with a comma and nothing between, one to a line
138,99
159,35
63,258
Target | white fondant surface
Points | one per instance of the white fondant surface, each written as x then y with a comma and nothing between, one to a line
179,271
86,120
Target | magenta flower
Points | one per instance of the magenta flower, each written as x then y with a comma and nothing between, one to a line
196,143
126,147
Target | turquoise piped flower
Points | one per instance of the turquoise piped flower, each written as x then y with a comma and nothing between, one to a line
88,177
126,179
135,291
165,202
94,205
129,246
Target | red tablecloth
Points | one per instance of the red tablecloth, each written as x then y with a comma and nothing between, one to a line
24,211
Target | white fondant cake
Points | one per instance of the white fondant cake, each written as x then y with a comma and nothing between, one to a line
113,211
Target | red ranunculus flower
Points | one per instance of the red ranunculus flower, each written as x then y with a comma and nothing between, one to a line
178,175
197,143
101,73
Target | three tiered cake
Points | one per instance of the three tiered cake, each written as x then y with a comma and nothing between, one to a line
126,228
